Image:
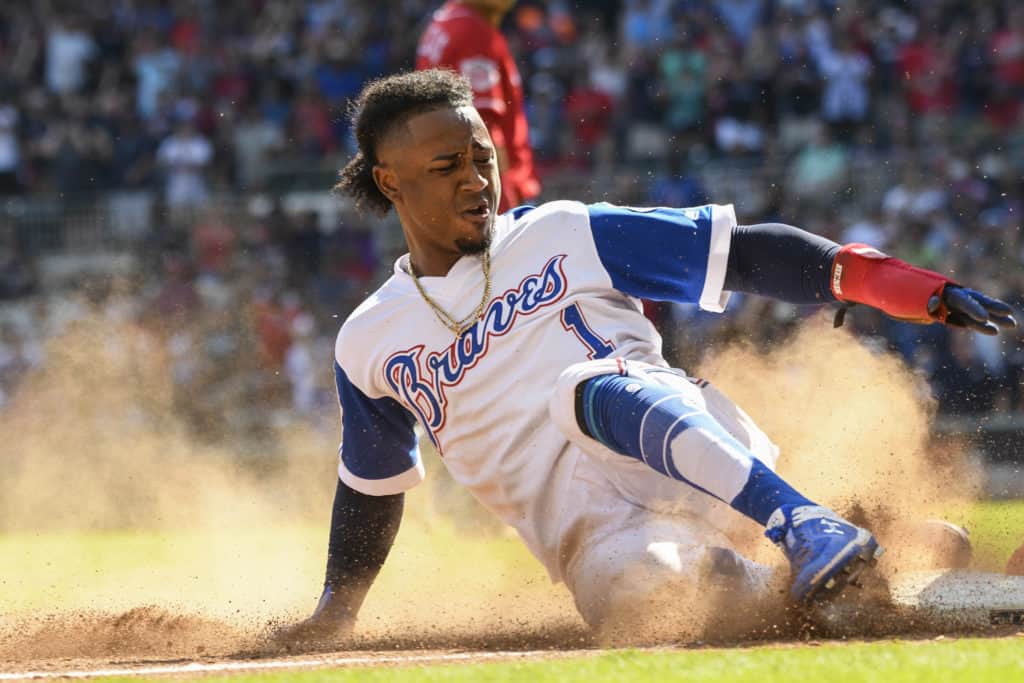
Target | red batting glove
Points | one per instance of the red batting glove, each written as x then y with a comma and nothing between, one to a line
862,274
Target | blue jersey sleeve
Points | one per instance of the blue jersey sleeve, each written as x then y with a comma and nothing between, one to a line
665,254
378,454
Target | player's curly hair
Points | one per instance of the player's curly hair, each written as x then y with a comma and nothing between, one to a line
384,104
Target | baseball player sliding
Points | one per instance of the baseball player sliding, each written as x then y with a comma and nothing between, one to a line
517,343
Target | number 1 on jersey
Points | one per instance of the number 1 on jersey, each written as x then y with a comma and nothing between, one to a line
573,321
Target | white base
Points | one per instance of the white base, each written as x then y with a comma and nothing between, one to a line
977,598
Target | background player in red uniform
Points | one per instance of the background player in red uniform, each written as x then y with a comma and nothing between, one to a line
463,35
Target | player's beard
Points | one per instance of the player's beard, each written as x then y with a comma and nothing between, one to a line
469,247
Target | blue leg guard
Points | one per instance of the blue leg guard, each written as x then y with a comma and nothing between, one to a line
653,423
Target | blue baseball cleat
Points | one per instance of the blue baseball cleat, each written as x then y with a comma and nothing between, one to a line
826,553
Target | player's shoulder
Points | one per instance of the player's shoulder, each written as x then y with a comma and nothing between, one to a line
547,224
466,30
558,211
371,320
458,14
603,213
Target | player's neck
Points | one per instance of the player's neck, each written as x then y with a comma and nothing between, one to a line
425,265
491,16
429,261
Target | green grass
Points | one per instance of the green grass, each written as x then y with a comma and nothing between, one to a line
253,573
118,570
892,662
997,529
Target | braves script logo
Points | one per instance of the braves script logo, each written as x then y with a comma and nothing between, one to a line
420,382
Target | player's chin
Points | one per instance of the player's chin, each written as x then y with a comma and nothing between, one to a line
477,235
471,247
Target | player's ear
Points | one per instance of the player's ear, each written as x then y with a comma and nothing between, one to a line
387,181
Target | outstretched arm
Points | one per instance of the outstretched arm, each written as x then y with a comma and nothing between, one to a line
363,528
793,265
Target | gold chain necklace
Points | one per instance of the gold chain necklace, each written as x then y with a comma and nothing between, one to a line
457,326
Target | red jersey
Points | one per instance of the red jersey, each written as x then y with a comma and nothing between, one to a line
462,40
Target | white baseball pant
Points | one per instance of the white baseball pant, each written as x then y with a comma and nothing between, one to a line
645,555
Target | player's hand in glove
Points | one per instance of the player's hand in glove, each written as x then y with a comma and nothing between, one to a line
330,622
971,309
862,274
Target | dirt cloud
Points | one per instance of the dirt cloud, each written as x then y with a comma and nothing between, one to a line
210,538
92,443
854,425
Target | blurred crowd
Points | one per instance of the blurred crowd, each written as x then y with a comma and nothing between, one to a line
894,122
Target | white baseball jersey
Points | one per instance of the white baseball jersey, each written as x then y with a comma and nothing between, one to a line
566,281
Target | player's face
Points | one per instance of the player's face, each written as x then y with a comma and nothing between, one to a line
441,174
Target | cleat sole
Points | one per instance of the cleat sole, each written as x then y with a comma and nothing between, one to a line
847,575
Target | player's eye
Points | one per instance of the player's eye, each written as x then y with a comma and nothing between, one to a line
484,160
444,169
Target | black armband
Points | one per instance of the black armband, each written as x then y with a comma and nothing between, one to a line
782,262
363,528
